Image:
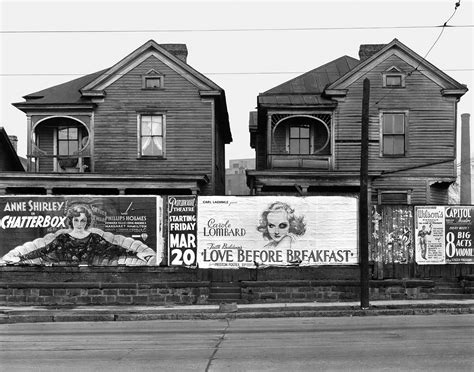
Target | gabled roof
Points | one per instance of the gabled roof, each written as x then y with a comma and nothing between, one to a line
9,151
395,47
84,89
151,47
307,89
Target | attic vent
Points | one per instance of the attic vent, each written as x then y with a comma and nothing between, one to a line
393,78
152,80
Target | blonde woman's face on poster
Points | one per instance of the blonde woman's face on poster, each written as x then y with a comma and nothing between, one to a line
278,225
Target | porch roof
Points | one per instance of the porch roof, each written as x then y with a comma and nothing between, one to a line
88,182
307,89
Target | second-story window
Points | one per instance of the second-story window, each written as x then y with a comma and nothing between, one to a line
393,133
151,135
300,139
68,141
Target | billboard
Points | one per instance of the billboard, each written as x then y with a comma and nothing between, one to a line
443,235
235,232
80,230
182,230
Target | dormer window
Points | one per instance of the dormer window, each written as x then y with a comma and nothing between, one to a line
393,78
152,80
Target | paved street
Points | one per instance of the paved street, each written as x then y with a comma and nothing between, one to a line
393,343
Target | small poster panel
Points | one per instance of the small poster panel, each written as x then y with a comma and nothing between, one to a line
429,235
182,230
235,232
80,230
444,235
459,231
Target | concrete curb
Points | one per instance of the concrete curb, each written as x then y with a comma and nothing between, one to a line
12,314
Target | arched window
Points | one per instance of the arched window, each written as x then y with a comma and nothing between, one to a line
301,135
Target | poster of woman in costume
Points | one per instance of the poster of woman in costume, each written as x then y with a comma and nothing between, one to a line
77,242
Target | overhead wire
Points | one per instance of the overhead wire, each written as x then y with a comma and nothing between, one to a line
284,29
443,27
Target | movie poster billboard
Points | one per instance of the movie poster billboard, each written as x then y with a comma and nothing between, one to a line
443,234
429,235
459,227
182,231
80,230
249,232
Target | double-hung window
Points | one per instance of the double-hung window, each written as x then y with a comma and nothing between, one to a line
393,133
151,135
68,141
300,139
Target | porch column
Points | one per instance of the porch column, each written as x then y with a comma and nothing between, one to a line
269,139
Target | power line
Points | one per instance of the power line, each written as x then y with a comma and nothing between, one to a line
443,27
352,28
209,73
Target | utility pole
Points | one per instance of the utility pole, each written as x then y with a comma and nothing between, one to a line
363,199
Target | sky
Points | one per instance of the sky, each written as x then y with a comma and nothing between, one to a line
246,47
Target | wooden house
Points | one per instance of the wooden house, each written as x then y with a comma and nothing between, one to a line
150,124
307,131
9,159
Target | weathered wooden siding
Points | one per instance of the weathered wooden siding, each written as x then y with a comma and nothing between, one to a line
279,140
219,158
188,125
438,195
417,186
46,143
260,150
430,129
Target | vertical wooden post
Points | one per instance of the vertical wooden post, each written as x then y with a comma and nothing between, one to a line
363,200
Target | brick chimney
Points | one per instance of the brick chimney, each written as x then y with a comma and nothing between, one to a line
14,142
465,160
368,50
178,50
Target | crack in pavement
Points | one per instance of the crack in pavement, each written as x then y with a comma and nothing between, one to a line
217,347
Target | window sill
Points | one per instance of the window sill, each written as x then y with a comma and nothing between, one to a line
151,158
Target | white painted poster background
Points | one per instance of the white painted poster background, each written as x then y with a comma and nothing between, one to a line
239,232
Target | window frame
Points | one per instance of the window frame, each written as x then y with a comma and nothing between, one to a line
310,139
152,74
382,113
140,155
381,193
68,140
393,72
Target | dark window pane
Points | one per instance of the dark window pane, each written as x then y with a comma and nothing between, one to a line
394,198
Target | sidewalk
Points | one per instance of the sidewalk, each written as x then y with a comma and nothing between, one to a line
33,314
